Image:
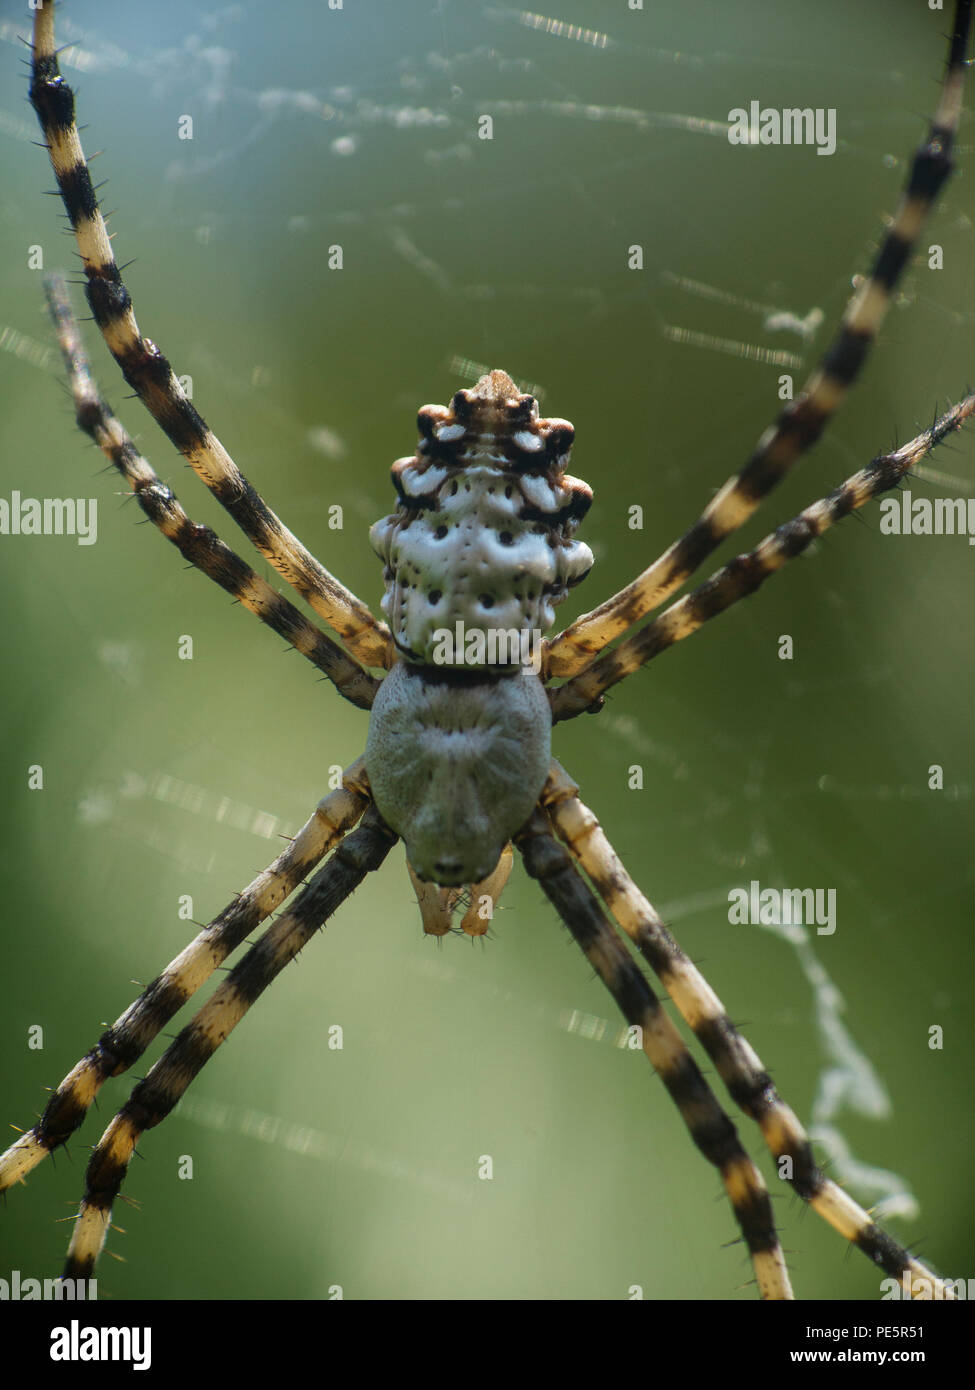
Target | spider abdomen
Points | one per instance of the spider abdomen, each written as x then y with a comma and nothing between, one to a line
482,540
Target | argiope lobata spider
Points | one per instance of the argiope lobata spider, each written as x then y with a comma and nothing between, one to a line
743,1125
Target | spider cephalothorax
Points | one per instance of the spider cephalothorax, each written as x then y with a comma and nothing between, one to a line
456,763
477,555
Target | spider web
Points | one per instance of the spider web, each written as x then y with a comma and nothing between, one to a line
462,254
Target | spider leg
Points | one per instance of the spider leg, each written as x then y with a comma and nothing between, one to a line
710,1128
198,544
121,1045
149,373
746,573
363,850
802,422
748,1083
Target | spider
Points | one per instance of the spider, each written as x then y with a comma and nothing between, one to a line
503,394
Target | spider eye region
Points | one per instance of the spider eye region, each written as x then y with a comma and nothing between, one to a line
456,763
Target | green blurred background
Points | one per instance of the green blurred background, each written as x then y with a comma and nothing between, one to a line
358,1167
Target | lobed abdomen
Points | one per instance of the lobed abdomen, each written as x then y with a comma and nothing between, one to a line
483,535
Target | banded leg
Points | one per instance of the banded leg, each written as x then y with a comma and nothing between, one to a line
710,1128
123,1044
802,422
156,1095
199,544
739,1067
746,573
149,374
